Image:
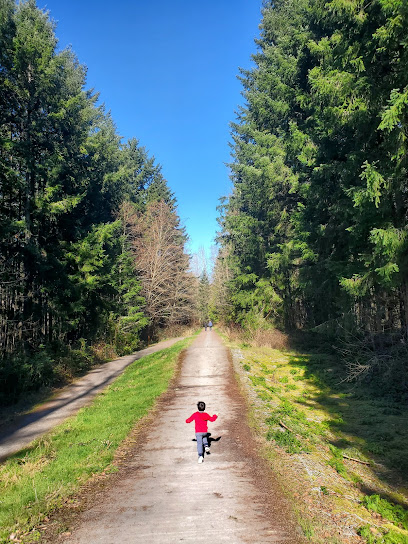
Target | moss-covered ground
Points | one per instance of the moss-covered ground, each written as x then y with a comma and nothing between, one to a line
341,450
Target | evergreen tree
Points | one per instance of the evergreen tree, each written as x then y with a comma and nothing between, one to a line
203,298
316,226
67,272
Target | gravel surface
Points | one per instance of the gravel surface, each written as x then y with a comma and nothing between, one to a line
161,495
32,425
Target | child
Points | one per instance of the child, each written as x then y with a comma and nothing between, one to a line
201,429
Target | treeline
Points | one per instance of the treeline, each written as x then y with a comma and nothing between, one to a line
314,234
77,254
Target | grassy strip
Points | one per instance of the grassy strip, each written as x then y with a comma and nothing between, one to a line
37,479
313,419
379,537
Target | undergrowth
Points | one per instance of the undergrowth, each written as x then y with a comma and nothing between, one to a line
380,537
393,512
308,408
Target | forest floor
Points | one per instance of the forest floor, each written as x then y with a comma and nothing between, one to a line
340,452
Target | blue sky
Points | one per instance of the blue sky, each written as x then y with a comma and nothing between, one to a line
167,72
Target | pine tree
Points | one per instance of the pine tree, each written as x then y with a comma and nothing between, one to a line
67,272
316,224
203,298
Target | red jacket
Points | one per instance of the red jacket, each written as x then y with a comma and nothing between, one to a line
201,419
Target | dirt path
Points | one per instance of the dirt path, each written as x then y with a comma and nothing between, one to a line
163,496
32,425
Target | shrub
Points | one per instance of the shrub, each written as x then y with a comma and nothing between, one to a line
23,374
377,360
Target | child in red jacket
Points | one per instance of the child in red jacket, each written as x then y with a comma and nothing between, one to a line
201,429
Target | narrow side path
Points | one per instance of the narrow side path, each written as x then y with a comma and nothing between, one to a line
73,397
163,496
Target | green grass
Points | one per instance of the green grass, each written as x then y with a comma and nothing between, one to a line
339,467
376,425
314,383
393,512
257,380
39,478
290,387
307,528
379,537
331,420
285,440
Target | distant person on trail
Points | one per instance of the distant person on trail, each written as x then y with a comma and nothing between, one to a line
201,429
210,324
205,325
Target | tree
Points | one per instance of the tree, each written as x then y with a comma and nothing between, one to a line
67,273
220,301
203,298
42,128
140,177
157,244
315,229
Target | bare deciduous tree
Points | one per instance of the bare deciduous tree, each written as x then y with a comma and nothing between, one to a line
157,243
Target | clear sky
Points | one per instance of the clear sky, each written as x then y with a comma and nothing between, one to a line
167,71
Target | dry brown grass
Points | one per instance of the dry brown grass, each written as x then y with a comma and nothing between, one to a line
271,338
103,352
25,467
175,331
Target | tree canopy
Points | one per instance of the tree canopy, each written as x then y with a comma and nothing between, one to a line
315,230
67,271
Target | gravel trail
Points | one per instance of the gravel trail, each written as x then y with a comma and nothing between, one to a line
163,496
30,426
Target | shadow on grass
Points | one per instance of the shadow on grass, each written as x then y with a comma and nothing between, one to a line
359,416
